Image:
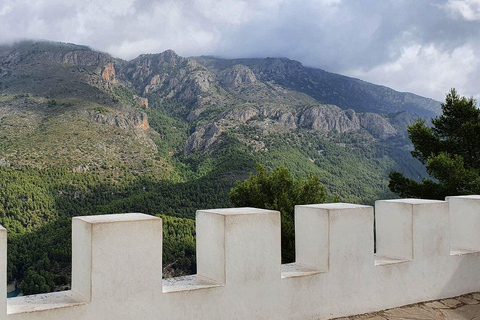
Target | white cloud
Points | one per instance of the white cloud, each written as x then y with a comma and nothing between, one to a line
363,38
466,9
428,69
5,8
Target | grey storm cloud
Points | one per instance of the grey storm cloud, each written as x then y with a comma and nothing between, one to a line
425,47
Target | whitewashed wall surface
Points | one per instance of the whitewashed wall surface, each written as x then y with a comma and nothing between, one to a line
426,250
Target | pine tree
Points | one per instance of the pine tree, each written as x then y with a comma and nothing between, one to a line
278,190
450,149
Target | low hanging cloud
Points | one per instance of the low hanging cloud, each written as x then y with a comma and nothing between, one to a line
425,47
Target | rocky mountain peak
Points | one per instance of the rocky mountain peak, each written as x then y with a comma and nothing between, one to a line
170,56
158,60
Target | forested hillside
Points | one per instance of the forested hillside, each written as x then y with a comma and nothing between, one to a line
84,133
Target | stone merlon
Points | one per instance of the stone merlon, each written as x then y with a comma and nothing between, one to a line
426,250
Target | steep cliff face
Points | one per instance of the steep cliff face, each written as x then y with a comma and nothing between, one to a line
271,119
79,58
108,73
137,120
377,125
237,76
203,138
329,118
140,121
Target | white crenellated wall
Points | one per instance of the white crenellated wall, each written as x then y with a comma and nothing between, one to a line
426,250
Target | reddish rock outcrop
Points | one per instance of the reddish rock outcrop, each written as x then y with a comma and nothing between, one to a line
141,121
108,73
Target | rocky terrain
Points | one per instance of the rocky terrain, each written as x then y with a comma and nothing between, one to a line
175,117
270,119
325,87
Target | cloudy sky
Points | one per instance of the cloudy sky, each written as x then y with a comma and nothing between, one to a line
421,46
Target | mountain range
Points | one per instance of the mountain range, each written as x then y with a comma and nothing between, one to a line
187,119
82,132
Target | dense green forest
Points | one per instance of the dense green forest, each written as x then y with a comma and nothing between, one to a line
37,206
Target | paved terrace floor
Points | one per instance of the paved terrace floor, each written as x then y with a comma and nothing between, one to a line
458,308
